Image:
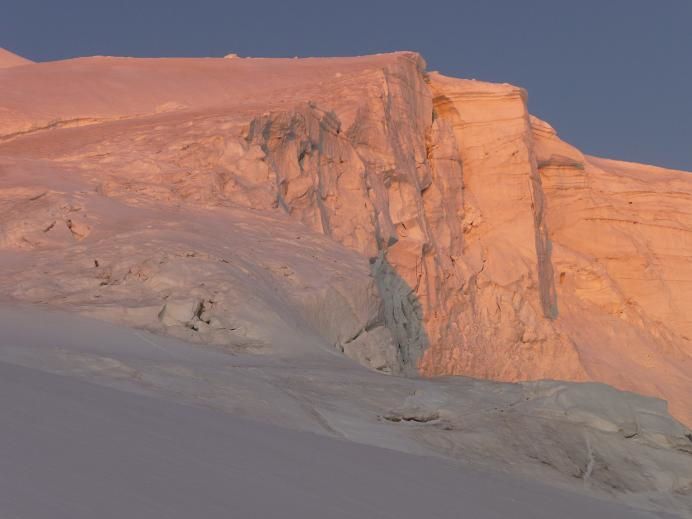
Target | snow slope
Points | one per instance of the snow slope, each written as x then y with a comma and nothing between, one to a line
74,450
102,420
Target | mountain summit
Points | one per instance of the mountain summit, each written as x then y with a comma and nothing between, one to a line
489,247
302,216
9,59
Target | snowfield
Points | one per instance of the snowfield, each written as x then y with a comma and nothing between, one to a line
103,421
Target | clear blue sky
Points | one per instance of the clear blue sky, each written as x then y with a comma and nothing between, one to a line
613,76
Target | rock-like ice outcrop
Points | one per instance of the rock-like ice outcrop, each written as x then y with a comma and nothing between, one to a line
450,232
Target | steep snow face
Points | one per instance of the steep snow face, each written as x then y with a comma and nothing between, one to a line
504,301
458,232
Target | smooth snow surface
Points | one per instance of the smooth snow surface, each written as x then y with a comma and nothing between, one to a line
71,449
74,449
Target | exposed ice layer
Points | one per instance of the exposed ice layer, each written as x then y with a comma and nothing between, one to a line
513,256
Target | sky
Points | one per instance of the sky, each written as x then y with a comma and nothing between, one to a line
614,77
